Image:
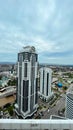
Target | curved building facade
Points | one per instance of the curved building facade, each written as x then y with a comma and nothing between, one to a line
45,82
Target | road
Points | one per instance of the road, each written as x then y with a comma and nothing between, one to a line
54,111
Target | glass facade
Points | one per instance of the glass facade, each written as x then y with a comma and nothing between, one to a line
25,69
43,83
47,84
25,95
27,82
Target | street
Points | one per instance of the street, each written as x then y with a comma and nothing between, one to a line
60,104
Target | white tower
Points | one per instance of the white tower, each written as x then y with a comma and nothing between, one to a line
45,82
26,97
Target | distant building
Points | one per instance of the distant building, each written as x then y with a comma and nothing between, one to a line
26,98
69,103
45,82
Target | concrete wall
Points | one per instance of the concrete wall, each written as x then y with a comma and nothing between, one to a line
17,124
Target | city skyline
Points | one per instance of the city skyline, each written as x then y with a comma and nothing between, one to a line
47,25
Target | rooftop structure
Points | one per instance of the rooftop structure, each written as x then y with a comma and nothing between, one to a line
30,49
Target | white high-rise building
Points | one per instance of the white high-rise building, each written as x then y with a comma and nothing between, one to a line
26,94
69,103
45,82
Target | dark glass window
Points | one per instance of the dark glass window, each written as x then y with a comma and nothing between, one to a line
47,84
36,98
36,56
43,83
16,89
20,78
25,88
25,104
25,95
36,95
25,69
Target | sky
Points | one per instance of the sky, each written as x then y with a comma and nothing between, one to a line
45,24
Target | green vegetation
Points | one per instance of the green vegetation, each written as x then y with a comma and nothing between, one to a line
64,87
44,106
0,77
60,79
12,82
10,110
69,75
51,102
1,109
40,107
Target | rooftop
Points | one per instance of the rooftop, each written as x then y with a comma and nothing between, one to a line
30,49
70,95
70,92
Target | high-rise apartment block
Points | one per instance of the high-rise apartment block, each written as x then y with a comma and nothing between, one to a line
69,103
45,82
26,94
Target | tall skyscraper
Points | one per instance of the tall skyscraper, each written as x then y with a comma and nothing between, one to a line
45,82
69,103
26,97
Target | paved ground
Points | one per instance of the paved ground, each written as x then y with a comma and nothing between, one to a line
4,101
60,104
54,111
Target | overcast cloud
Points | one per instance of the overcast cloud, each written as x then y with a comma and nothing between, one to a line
45,24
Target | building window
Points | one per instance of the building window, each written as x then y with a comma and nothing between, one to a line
20,59
36,57
47,83
43,82
36,95
25,69
16,90
25,95
25,88
25,104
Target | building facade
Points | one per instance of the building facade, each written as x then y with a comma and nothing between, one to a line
26,97
45,82
69,105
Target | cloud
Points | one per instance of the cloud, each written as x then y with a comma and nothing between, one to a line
47,25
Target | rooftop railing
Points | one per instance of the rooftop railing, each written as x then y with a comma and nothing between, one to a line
20,124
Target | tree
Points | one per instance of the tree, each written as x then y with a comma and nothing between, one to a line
0,77
12,82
